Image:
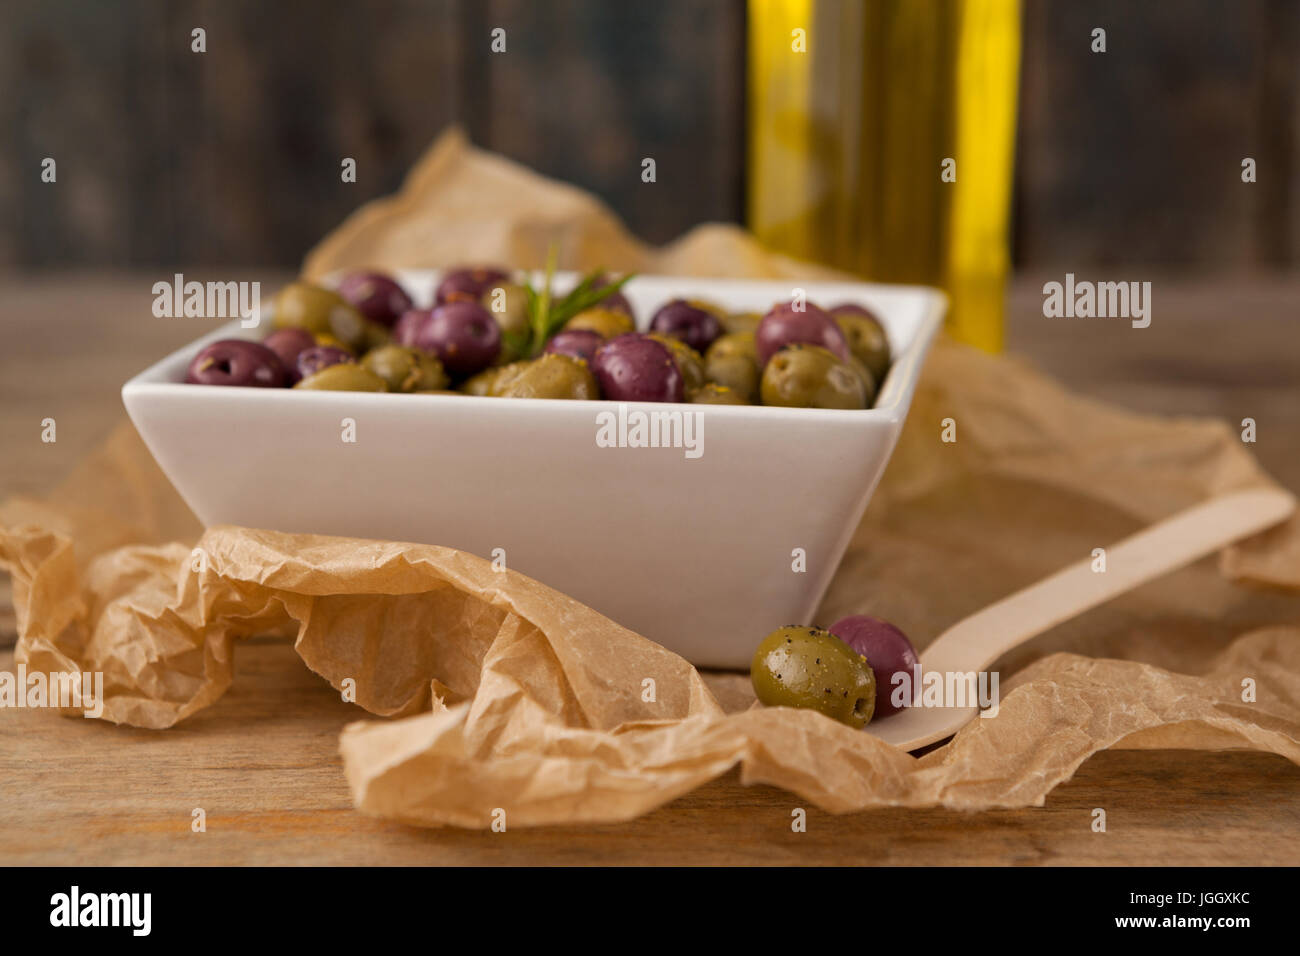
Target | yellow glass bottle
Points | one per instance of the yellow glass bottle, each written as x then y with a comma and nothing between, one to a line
882,140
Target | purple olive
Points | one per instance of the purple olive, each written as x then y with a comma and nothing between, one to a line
462,334
615,301
468,284
312,360
636,368
783,326
288,344
579,343
695,326
237,362
886,649
376,296
405,328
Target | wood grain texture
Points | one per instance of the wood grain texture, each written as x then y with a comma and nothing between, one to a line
263,762
233,155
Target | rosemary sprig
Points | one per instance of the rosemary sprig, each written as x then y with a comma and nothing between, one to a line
547,315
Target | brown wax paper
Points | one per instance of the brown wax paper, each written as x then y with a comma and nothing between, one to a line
500,694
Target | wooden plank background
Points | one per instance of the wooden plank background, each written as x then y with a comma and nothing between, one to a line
167,157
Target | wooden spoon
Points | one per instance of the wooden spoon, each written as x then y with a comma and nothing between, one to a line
974,644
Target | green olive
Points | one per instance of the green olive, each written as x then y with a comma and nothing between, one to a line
741,321
481,384
732,360
868,380
374,336
711,393
868,343
405,369
321,312
551,376
809,376
812,668
605,322
344,377
689,362
508,305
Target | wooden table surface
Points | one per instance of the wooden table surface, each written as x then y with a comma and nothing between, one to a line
263,762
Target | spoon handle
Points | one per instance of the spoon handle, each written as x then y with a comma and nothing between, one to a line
977,641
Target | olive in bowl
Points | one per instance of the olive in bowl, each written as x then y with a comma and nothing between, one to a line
786,325
578,343
237,362
468,284
289,344
688,322
689,362
607,323
406,369
732,360
550,376
312,360
344,377
302,305
636,368
379,297
462,334
865,336
809,376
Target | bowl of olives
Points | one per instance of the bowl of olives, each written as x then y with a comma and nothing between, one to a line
688,456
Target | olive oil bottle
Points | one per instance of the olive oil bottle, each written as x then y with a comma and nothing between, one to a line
881,140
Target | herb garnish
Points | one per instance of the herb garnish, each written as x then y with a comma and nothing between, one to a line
546,314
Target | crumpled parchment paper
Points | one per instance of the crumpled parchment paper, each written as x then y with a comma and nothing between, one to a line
504,694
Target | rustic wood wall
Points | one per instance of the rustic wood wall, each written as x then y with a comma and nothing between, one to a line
231,157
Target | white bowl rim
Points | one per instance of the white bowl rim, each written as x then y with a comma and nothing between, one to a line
893,398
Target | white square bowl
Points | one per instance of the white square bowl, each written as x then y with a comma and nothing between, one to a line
697,554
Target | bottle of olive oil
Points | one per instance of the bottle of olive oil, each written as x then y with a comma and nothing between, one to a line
881,142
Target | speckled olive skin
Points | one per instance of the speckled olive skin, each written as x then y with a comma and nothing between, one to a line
468,283
551,376
320,311
866,338
379,297
636,368
237,362
687,321
346,377
811,668
406,369
886,649
608,323
784,326
713,394
689,362
808,376
732,360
